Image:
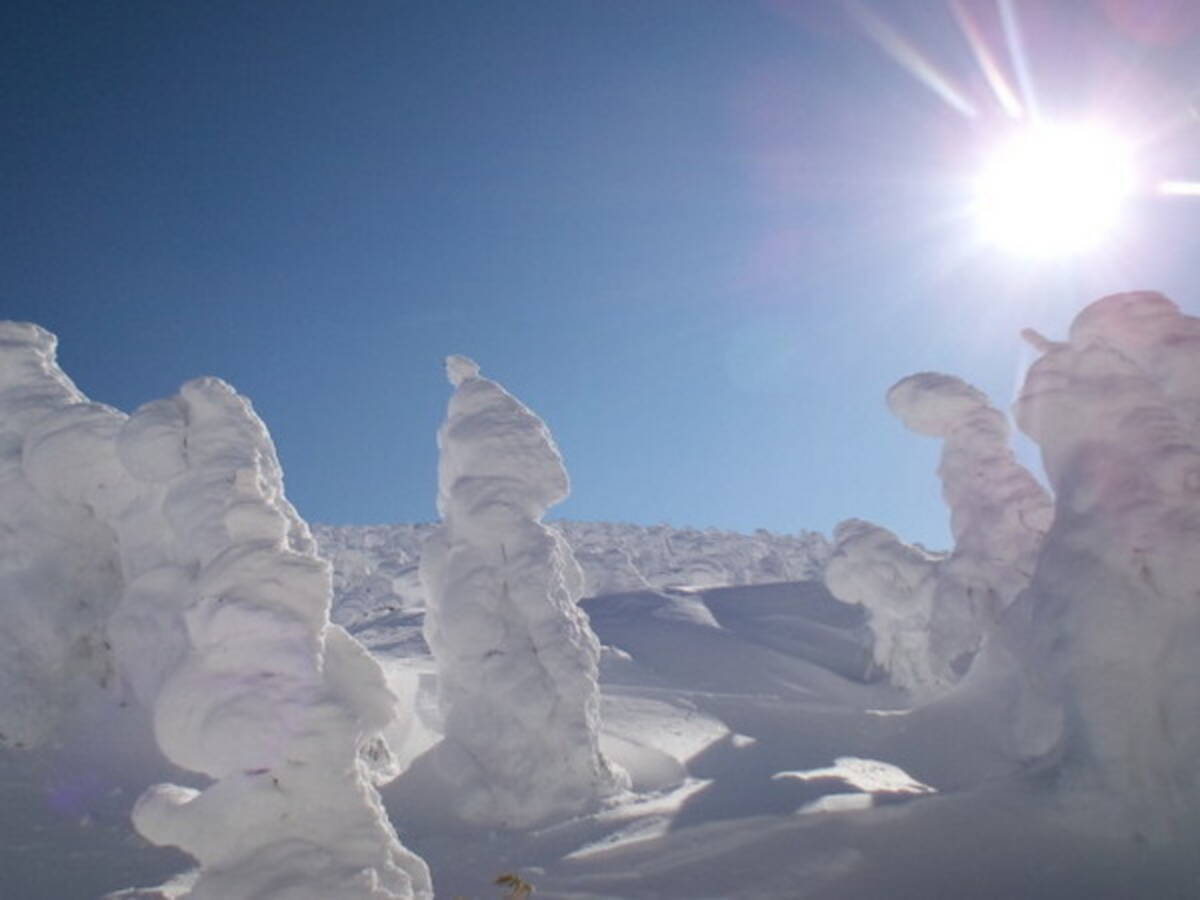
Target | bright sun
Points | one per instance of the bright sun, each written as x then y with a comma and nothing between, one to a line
1053,190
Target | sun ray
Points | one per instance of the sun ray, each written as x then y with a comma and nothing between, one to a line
1016,52
910,58
987,62
1174,188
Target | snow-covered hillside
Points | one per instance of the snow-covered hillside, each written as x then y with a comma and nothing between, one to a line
1018,717
375,566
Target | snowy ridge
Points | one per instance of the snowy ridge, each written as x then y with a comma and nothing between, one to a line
375,567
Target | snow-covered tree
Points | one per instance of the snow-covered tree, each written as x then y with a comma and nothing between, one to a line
277,705
998,512
1113,613
202,596
895,582
930,614
517,660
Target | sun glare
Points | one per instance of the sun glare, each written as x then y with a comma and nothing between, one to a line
1054,190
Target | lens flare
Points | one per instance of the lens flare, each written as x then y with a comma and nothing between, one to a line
906,54
1054,190
989,66
1179,188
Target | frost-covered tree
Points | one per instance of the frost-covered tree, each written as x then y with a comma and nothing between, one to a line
895,582
998,512
282,709
1113,611
930,614
202,589
517,660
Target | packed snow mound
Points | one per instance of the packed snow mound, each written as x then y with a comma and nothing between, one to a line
157,559
376,567
517,661
778,639
1113,612
931,614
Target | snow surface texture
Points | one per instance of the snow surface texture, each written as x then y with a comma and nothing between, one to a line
156,554
376,567
930,612
58,573
1113,604
517,660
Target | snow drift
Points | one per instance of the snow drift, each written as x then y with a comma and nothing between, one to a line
156,555
517,660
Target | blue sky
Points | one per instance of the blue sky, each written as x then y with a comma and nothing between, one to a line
699,237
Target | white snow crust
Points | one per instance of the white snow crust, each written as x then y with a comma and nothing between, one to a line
58,570
516,659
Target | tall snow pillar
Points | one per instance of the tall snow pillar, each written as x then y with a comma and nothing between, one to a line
517,659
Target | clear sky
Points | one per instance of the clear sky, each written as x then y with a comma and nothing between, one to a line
699,237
